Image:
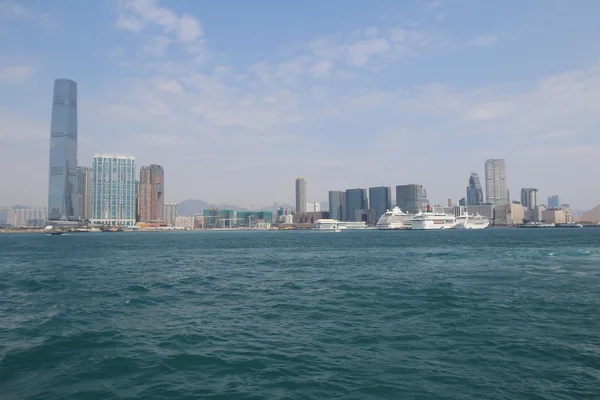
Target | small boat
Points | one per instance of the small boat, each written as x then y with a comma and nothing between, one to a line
54,233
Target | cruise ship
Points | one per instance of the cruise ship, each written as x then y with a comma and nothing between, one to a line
394,219
471,222
432,220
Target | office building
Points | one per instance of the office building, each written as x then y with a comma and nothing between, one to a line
462,202
529,202
62,182
474,191
337,205
313,207
84,193
554,202
509,214
300,195
356,200
170,213
496,191
151,200
410,198
380,200
113,190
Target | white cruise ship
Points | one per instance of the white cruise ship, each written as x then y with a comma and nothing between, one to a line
394,219
472,222
432,220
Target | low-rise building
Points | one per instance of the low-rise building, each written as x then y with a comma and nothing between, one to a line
509,214
554,216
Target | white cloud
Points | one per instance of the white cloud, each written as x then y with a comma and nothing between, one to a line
12,10
15,73
169,86
189,29
483,40
360,52
157,46
433,5
321,69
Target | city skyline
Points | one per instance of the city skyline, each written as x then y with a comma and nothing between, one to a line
335,101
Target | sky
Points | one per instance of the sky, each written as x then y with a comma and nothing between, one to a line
236,99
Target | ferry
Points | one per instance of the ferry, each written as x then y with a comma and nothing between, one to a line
471,222
394,219
331,225
431,220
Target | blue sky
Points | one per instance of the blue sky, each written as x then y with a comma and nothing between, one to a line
236,98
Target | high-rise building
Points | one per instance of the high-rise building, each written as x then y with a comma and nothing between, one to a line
410,198
84,193
171,213
529,201
462,202
495,182
474,191
529,198
313,207
113,190
337,205
151,200
300,195
380,200
356,200
554,202
62,183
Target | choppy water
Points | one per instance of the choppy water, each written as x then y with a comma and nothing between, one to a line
495,314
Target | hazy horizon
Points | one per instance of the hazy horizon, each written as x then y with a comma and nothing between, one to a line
237,99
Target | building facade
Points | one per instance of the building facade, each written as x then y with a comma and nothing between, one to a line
380,200
62,182
474,191
300,195
509,214
496,191
151,200
113,190
410,198
337,205
170,213
356,199
313,207
84,193
554,202
529,201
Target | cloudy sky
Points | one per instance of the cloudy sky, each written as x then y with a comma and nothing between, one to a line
238,98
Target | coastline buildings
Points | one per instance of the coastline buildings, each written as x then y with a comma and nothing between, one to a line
380,200
337,205
300,195
84,193
554,202
410,198
313,207
170,213
357,204
62,179
495,182
113,190
529,202
151,201
474,191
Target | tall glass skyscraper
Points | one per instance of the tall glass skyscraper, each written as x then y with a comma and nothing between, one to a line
62,183
337,205
496,191
474,191
113,190
356,200
380,200
410,198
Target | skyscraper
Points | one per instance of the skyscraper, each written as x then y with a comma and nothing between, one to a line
554,202
380,200
84,193
113,190
356,200
151,206
300,195
409,198
474,191
529,201
62,182
171,213
495,182
337,205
